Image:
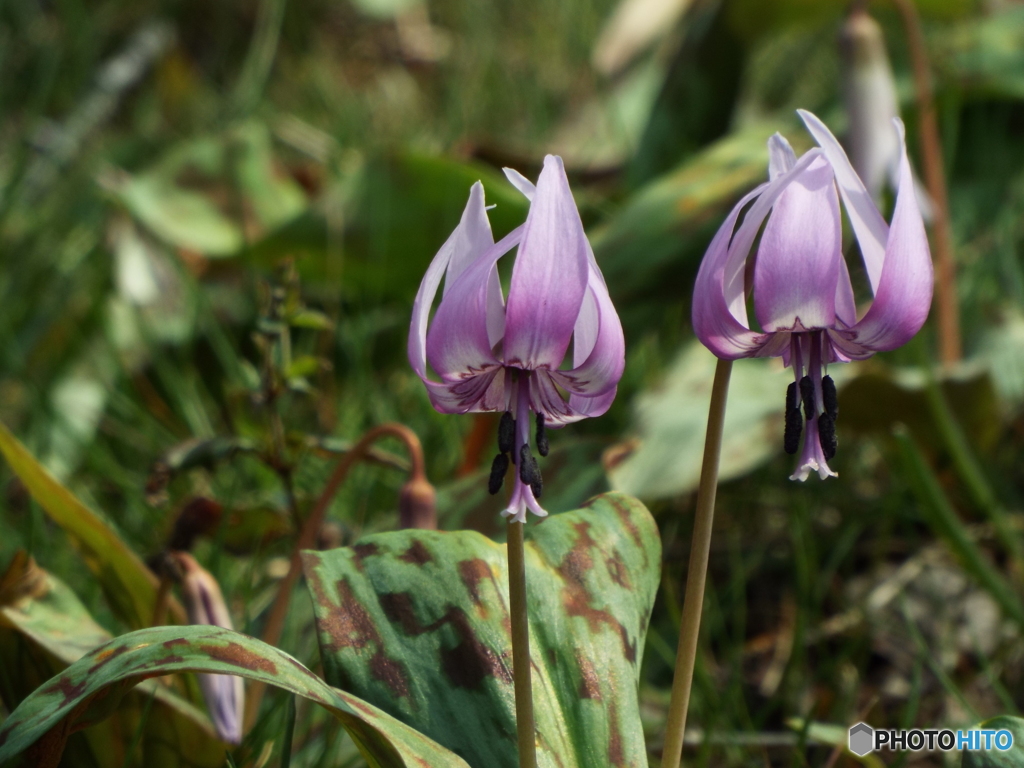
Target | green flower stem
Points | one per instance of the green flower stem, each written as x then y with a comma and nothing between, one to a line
700,548
521,646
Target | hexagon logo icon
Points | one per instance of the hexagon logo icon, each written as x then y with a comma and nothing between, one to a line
862,739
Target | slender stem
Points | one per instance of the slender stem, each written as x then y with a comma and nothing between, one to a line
935,179
310,529
700,548
521,661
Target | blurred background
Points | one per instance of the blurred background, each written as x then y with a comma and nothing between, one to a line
182,182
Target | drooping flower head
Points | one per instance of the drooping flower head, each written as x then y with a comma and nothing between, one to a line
204,602
802,295
496,353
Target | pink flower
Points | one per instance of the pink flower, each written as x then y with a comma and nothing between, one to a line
802,296
496,354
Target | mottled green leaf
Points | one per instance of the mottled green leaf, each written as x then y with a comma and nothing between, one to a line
996,758
44,628
416,622
85,690
130,587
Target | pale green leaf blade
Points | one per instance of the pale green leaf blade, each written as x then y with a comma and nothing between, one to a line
129,586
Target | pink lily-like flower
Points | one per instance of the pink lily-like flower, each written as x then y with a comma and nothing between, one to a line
493,354
803,299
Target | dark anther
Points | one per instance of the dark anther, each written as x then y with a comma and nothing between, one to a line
794,421
542,436
529,471
827,435
537,486
498,469
506,432
829,399
527,464
807,392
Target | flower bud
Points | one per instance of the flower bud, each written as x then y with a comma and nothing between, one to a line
869,90
204,602
417,507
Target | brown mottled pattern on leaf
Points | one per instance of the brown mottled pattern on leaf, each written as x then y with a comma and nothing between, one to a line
70,705
235,654
417,554
575,597
64,686
592,577
590,687
104,657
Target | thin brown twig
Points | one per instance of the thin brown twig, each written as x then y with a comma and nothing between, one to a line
950,348
308,535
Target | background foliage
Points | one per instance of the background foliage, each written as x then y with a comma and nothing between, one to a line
163,163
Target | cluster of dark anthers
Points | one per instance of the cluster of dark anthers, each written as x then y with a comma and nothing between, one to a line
529,470
826,419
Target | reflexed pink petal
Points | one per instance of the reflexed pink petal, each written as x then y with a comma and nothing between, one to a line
588,407
846,306
734,271
549,278
904,292
599,351
798,261
781,157
520,182
457,344
545,398
470,239
713,323
868,225
483,392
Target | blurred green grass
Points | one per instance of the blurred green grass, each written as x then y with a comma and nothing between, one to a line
347,139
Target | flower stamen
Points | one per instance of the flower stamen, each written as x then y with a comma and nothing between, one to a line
829,398
542,436
807,393
499,467
506,432
794,421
